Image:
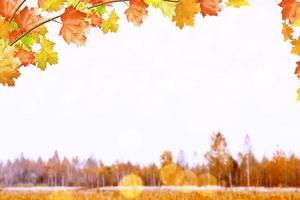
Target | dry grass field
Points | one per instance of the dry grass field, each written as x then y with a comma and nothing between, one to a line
158,194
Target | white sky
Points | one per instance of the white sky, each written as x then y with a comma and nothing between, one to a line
133,94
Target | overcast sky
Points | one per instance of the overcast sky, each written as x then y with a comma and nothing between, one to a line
131,95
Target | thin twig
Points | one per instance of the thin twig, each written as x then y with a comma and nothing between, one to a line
108,2
77,4
117,1
127,4
57,21
21,4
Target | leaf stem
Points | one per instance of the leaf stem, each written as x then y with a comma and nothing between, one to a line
21,4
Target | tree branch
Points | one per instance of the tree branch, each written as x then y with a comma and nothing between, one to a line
21,4
58,16
108,2
33,28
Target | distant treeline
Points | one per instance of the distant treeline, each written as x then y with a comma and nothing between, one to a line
220,168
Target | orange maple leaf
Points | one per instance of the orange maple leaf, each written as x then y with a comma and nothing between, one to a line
25,57
95,20
95,2
27,19
290,10
185,12
136,12
297,71
210,7
8,7
287,32
74,26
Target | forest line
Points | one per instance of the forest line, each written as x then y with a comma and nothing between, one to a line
221,168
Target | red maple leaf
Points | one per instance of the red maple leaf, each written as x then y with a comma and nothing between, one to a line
290,10
210,7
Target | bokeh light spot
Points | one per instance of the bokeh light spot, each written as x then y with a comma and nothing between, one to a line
131,186
168,174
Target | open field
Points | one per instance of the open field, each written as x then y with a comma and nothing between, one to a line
150,193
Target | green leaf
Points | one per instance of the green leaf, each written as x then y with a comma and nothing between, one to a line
14,26
101,10
28,41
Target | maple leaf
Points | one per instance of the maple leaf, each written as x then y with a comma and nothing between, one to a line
95,20
13,36
51,5
167,8
8,7
80,5
154,3
297,70
9,65
46,55
74,26
111,23
185,12
95,2
296,46
25,57
290,10
136,12
237,3
298,95
210,7
287,32
27,19
100,10
4,29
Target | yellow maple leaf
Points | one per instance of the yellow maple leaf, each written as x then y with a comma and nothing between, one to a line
9,65
237,3
51,5
4,29
296,46
46,55
80,5
185,12
153,3
111,23
167,8
298,96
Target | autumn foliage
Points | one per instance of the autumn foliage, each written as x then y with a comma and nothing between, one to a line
23,30
291,20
